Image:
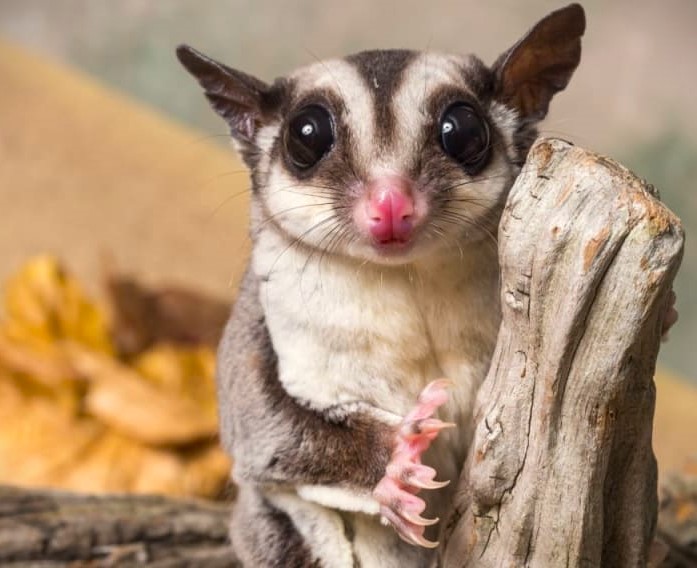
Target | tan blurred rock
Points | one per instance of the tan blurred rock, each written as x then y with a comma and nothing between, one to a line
85,172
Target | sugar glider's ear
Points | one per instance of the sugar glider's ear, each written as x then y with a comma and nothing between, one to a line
236,96
540,65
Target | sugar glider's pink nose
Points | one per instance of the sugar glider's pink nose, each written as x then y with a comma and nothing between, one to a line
390,209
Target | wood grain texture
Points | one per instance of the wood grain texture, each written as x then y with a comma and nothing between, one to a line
561,471
44,528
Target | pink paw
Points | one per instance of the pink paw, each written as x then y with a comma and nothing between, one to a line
405,474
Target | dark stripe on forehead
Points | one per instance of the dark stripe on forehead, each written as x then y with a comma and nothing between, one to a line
478,78
382,71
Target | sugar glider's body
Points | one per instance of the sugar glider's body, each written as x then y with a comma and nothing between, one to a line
418,338
392,330
378,181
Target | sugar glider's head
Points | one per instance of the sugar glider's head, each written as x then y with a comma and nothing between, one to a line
390,155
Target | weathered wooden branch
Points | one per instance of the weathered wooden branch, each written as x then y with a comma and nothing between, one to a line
49,529
43,528
561,471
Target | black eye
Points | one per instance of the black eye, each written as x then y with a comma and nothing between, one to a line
464,136
310,136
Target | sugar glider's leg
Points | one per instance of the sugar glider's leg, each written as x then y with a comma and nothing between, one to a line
263,536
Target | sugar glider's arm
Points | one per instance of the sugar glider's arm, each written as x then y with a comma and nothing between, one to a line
273,438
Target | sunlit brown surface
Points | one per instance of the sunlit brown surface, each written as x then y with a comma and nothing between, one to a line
84,172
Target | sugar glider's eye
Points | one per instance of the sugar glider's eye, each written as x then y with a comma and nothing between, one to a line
310,135
464,136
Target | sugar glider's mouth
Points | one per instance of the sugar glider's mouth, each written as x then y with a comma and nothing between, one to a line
393,247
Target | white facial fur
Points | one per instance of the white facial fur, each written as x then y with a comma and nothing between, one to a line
307,213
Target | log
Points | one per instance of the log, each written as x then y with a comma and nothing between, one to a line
561,471
52,529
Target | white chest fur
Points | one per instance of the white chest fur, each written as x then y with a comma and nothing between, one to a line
346,332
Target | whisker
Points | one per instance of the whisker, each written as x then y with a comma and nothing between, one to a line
456,218
338,85
275,215
207,137
439,232
225,202
299,239
319,247
472,181
325,250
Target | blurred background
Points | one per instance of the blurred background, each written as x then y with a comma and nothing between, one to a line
112,164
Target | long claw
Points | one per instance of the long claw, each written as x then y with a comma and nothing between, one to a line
439,384
423,541
422,484
408,533
415,475
424,428
435,391
431,397
418,519
418,540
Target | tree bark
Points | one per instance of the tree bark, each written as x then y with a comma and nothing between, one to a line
52,529
561,471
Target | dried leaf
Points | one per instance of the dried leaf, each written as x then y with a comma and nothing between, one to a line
187,372
45,364
143,317
74,416
44,304
40,442
121,398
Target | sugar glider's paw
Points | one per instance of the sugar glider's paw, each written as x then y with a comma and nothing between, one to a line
670,317
406,475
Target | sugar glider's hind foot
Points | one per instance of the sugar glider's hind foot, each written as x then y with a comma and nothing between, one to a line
263,536
405,475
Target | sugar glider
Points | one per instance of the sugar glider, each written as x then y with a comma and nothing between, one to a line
377,185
